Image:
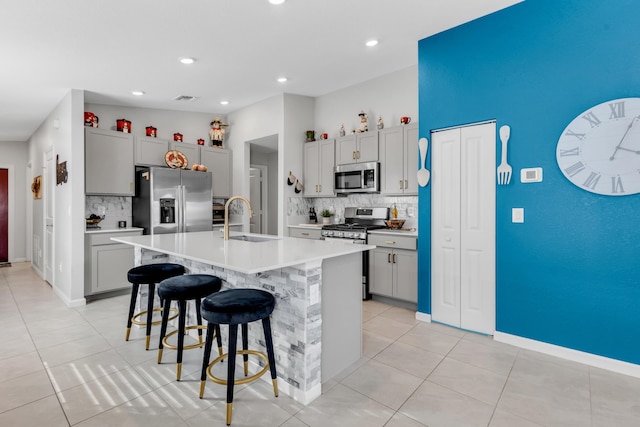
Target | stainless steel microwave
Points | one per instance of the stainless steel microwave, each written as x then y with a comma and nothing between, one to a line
357,178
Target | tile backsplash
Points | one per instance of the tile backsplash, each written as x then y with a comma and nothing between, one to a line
407,206
114,209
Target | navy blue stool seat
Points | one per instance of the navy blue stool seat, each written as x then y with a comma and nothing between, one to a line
235,307
149,274
182,289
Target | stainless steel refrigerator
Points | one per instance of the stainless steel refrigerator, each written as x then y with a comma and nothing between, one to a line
172,200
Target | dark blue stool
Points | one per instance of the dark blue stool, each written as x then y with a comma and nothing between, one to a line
182,289
235,307
149,274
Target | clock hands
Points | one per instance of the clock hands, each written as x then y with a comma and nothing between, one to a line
613,156
626,149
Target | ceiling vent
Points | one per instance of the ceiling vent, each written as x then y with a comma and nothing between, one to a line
185,98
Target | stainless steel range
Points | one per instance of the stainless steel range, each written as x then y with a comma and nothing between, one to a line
357,221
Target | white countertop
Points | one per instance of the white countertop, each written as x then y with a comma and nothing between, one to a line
111,230
245,257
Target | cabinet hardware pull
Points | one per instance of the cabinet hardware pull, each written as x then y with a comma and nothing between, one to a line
305,234
390,242
353,155
394,258
358,155
401,186
389,258
406,184
319,188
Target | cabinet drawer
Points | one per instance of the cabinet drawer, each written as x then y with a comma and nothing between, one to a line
393,241
105,239
305,233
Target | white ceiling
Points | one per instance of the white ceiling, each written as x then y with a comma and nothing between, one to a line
109,48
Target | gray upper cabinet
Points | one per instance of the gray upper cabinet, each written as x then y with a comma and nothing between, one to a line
357,148
219,162
150,151
109,168
399,159
191,151
319,159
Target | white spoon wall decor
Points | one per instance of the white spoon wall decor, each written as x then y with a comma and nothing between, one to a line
423,173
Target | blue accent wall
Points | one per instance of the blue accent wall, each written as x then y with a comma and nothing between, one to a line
570,275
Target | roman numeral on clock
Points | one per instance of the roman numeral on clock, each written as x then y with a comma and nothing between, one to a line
580,136
592,119
592,180
616,185
575,169
570,152
617,110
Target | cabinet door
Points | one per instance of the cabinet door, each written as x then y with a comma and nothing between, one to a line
191,151
380,272
109,168
392,160
311,169
325,169
346,150
411,158
150,151
367,147
405,275
218,161
110,266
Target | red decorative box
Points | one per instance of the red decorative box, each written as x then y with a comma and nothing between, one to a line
123,125
151,131
200,141
177,137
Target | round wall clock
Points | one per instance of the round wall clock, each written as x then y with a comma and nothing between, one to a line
599,151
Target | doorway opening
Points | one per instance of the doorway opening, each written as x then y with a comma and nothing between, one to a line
263,191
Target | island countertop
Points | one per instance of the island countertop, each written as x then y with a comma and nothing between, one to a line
209,247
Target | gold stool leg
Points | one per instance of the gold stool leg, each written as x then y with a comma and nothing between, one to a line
202,384
126,338
275,387
229,409
178,371
159,356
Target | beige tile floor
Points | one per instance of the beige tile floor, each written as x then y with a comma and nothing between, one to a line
62,367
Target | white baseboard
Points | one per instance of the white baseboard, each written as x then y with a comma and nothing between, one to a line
602,362
37,271
423,317
68,302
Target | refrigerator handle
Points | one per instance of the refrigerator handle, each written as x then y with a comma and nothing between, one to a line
183,208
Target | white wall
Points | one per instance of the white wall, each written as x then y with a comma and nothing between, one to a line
191,125
13,156
390,96
68,143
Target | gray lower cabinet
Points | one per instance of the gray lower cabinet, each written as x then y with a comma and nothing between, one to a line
305,233
109,168
393,267
107,262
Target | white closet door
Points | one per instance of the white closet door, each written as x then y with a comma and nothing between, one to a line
445,227
463,227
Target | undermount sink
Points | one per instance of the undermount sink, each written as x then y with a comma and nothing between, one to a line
254,239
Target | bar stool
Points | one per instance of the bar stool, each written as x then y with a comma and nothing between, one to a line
182,289
149,274
235,307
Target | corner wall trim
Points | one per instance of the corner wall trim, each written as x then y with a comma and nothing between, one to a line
423,317
602,362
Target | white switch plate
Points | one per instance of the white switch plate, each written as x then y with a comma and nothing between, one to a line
517,215
531,175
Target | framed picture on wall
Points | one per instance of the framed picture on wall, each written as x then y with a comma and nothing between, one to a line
36,187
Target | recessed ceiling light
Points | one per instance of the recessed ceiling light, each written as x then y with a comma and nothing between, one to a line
137,92
282,79
371,43
187,60
276,1
224,102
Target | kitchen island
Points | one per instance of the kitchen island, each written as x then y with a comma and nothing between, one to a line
317,321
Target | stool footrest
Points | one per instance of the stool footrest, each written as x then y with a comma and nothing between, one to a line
199,344
135,320
241,380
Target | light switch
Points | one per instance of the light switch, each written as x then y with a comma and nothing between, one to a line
517,215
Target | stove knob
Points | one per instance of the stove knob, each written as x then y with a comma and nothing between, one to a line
340,234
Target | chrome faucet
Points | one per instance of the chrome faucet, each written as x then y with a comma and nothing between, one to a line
226,213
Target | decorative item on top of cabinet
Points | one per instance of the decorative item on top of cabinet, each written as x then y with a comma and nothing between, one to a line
217,131
341,131
192,151
405,120
364,122
90,119
151,131
380,123
311,135
123,125
200,141
177,137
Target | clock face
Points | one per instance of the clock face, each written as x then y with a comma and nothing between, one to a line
599,151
